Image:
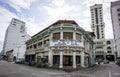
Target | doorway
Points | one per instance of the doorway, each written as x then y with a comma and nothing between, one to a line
67,60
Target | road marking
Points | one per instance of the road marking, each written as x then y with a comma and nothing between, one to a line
116,73
109,73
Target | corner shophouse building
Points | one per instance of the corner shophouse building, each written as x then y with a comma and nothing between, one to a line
64,43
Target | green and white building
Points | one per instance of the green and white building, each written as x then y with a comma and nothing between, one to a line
62,44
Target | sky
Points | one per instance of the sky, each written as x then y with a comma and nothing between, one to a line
38,14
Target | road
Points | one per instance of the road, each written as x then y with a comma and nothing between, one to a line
8,69
103,70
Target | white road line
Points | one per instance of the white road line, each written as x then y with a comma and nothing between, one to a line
109,73
116,73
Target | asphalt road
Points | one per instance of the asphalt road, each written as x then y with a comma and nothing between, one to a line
103,70
8,69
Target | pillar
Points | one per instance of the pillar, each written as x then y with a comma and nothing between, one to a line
36,58
50,58
82,58
61,59
74,36
61,35
42,42
74,59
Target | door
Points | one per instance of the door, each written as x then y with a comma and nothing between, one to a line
67,60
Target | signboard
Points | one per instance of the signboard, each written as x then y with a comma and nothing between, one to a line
67,43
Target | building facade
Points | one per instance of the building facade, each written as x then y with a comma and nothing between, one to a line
97,23
97,26
64,43
110,50
115,16
103,49
15,38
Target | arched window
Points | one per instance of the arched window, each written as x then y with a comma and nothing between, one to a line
109,48
109,52
108,42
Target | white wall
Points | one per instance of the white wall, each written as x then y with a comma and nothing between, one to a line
15,39
116,28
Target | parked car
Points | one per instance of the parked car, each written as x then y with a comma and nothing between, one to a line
105,61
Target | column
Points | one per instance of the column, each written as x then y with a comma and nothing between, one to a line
51,38
82,58
35,58
50,58
82,39
61,35
74,36
43,42
61,59
74,59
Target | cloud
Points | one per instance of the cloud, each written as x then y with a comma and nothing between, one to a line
59,9
32,28
6,16
21,4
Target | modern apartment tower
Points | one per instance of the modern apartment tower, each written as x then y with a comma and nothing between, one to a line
97,26
115,15
15,38
97,23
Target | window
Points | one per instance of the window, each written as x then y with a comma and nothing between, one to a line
27,47
14,24
118,14
108,42
31,47
46,41
35,46
109,52
40,43
22,29
78,36
67,35
56,36
102,29
109,48
118,9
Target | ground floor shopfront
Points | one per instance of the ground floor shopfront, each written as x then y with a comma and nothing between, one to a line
61,59
107,57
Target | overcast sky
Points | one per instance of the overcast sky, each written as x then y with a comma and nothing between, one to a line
39,14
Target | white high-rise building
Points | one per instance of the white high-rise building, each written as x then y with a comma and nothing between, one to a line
104,48
115,15
15,38
97,23
97,26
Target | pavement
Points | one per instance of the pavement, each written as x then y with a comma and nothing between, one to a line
10,69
